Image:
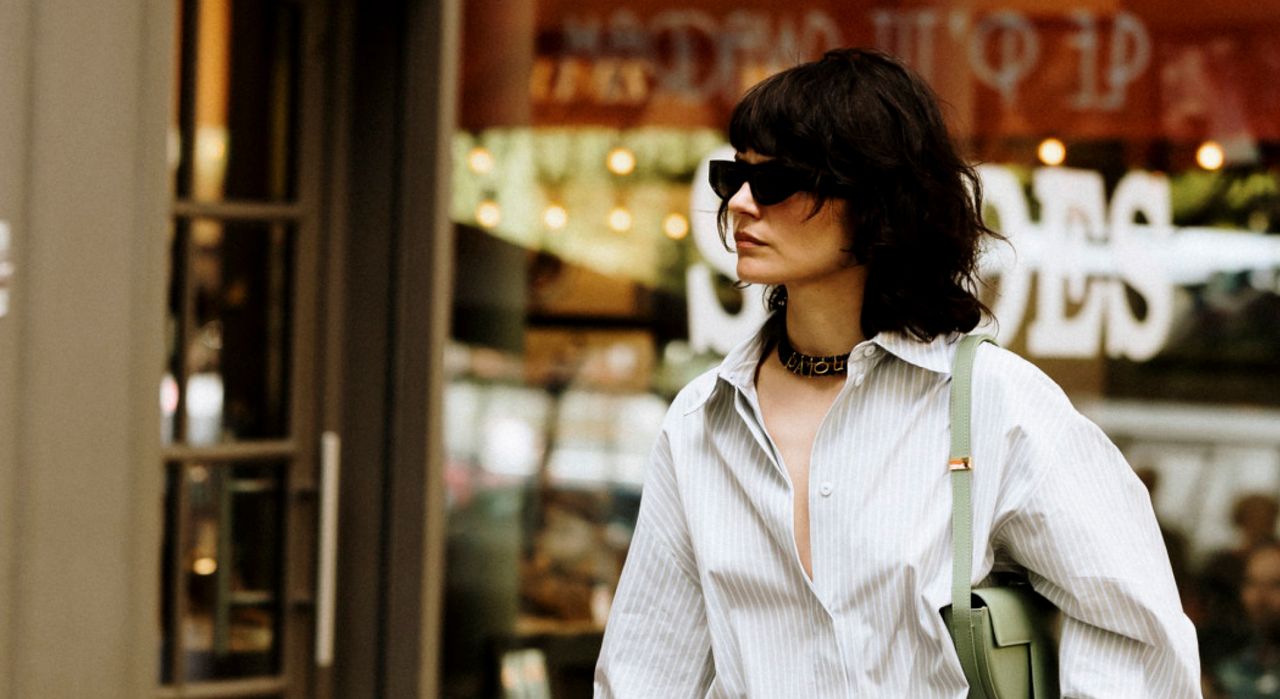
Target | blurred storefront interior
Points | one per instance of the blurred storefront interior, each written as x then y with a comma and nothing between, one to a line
414,283
1129,150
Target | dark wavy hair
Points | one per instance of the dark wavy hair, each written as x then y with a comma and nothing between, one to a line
873,132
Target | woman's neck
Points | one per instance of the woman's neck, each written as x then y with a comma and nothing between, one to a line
825,316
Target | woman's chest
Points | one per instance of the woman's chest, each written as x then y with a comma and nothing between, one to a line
878,501
792,424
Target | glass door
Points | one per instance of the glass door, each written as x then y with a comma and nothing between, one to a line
238,396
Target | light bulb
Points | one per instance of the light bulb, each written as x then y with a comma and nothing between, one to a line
676,226
1052,151
620,220
480,160
621,161
1210,155
555,217
488,214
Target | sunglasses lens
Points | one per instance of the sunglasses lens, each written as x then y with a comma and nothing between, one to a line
726,178
771,183
771,187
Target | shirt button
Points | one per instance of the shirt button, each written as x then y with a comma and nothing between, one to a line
825,489
857,380
868,351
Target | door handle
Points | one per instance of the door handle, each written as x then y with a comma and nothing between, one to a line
327,565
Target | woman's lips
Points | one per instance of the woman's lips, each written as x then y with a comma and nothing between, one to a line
745,239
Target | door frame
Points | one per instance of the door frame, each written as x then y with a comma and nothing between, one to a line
388,318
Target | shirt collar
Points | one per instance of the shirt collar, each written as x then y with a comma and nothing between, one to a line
739,366
936,355
738,369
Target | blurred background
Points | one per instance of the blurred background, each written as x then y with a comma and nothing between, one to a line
334,336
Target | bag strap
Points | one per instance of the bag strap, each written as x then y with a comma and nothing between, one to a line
962,621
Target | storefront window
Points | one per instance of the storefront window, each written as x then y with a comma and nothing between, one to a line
1129,153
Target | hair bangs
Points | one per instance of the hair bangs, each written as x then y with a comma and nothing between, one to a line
762,120
765,120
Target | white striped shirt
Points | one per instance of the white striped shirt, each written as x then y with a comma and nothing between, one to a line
714,602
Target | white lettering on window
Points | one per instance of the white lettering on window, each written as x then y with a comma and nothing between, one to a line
1130,54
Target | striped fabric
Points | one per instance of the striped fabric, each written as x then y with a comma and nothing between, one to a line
713,601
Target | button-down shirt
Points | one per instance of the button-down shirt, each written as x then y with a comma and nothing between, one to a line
713,599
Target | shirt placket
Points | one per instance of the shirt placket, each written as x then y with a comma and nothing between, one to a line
826,476
830,675
826,513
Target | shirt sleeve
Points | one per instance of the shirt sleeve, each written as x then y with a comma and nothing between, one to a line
656,642
1084,528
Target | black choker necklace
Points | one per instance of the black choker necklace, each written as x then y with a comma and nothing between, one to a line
808,365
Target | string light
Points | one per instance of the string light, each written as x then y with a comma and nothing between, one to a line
676,226
555,217
488,214
1052,151
620,220
1210,155
204,566
621,161
480,160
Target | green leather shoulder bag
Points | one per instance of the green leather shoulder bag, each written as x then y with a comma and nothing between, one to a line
1003,634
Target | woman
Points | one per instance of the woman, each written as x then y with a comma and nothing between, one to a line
794,536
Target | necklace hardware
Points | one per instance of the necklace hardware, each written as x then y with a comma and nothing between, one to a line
810,365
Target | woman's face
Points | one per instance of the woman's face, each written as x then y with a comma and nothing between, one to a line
782,244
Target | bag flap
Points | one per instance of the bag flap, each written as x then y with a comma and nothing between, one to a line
1018,614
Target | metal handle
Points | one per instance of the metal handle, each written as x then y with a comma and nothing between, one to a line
6,267
327,568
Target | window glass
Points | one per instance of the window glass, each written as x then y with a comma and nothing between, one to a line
234,135
235,351
230,560
229,341
1131,156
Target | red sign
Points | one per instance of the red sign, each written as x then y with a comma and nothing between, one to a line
1068,71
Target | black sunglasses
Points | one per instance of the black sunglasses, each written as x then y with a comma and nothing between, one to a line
772,181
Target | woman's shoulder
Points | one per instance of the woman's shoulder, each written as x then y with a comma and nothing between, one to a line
694,394
1001,368
1017,399
681,422
1006,380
